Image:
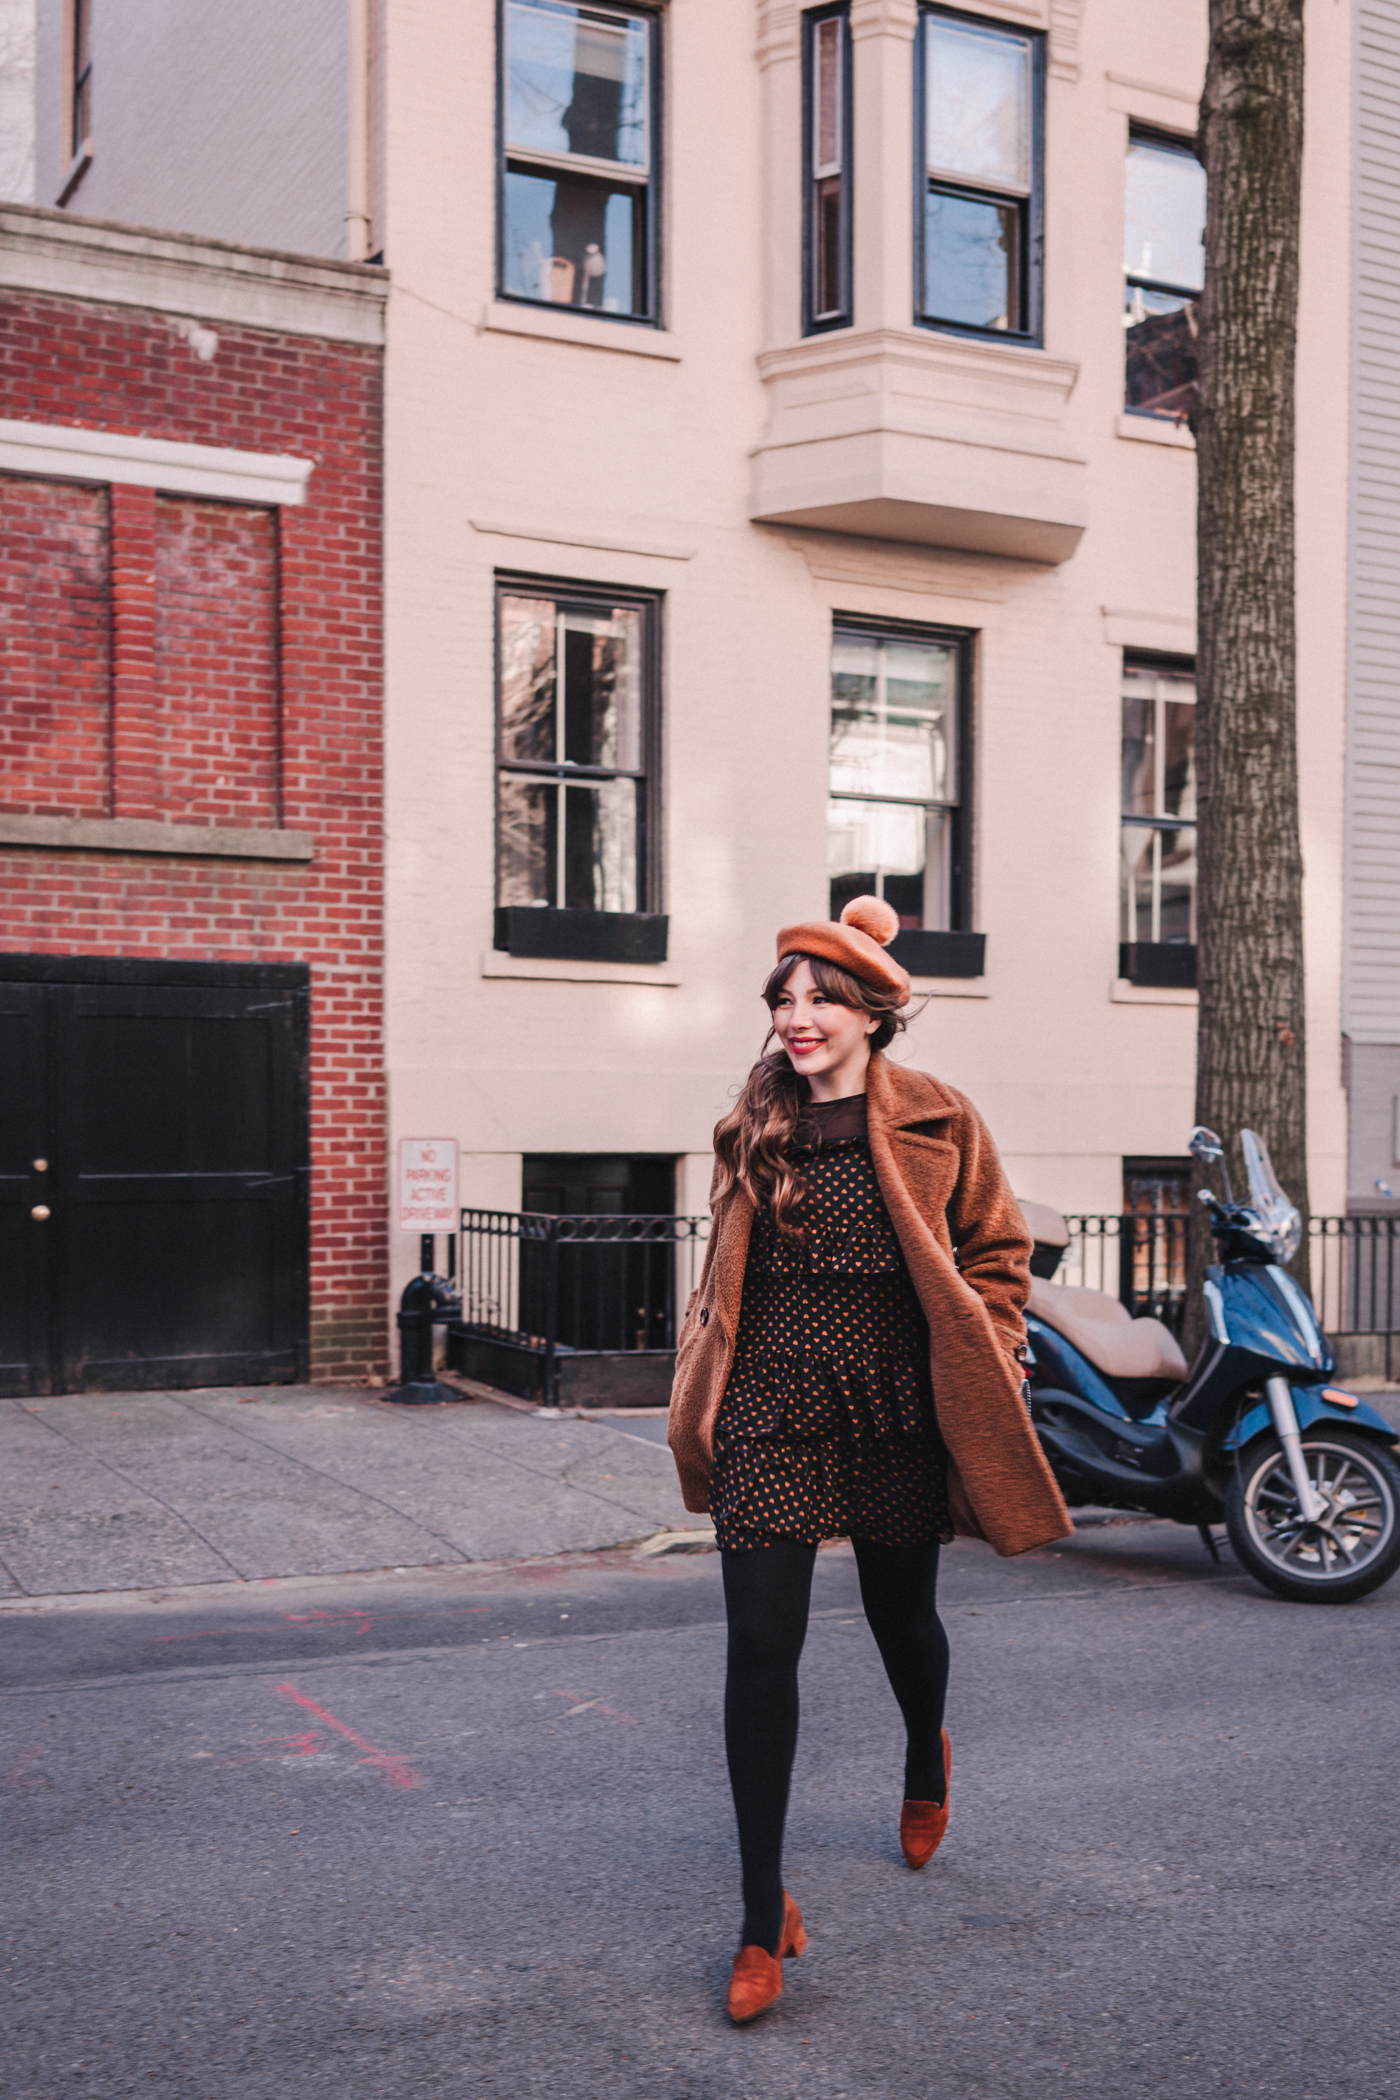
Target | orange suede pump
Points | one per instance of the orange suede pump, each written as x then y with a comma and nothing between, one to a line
923,1823
757,1978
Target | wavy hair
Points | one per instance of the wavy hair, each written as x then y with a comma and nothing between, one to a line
752,1141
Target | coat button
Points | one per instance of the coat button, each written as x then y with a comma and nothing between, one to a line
40,1211
704,1316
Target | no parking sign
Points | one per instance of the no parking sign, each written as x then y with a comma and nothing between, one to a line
428,1185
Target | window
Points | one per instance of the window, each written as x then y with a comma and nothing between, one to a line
895,824
827,153
1164,267
80,129
978,228
575,742
1152,1247
578,206
1159,823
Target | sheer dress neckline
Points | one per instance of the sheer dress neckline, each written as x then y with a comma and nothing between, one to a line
831,1122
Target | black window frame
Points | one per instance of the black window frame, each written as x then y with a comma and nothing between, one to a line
80,83
1175,142
570,930
814,322
954,951
651,246
1032,242
1161,964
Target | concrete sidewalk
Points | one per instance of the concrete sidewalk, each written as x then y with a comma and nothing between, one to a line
124,1491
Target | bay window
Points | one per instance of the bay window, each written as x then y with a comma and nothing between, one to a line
980,90
826,61
578,137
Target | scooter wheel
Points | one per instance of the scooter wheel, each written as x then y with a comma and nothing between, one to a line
1350,1550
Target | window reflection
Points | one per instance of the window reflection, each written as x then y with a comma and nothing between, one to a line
576,126
978,102
978,85
893,808
571,690
1158,884
1164,268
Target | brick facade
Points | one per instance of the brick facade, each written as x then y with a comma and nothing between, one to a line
201,662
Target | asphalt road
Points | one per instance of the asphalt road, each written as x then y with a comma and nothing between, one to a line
463,1832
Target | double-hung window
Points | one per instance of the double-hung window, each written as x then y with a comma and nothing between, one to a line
826,61
576,772
578,143
1158,872
978,224
1164,269
896,815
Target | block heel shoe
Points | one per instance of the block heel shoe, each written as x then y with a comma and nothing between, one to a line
757,1978
922,1823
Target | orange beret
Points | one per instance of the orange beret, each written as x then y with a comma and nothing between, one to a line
856,942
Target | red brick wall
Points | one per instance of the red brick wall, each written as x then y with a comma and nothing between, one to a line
215,662
192,702
54,625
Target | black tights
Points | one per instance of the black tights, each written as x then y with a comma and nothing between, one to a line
766,1594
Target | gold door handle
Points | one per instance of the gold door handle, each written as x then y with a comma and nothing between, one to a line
40,1210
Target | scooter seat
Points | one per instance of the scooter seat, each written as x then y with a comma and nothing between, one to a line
1105,1331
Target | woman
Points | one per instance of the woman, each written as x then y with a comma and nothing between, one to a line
849,1367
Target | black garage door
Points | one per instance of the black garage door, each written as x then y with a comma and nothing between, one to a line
153,1174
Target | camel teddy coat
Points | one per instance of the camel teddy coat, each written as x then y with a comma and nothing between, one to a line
944,1188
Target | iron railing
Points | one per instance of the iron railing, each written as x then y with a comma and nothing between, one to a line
1141,1260
587,1307
579,1301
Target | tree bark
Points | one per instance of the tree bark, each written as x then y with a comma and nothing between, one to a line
1250,1043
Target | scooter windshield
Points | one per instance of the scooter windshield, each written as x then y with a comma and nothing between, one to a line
1281,1226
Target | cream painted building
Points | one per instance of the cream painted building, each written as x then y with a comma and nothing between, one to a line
767,487
770,506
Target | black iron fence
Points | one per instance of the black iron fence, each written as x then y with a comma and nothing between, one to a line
584,1310
577,1309
1354,1274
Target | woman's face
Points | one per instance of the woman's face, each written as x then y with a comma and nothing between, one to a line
826,1042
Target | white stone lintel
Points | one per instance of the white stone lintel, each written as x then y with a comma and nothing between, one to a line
60,451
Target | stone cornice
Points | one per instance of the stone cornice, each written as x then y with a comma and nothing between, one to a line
66,257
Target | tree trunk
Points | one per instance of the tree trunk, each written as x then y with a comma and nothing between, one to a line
1250,1042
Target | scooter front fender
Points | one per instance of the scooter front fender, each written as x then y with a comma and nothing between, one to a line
1311,1408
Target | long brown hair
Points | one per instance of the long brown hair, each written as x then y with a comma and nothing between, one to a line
751,1141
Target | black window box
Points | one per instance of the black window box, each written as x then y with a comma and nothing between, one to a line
940,954
581,936
1166,964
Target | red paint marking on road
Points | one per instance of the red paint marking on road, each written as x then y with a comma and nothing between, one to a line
396,1769
595,1706
306,1745
17,1774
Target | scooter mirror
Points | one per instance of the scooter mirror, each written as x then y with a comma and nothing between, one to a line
1204,1145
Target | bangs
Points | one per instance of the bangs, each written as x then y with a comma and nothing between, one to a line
830,978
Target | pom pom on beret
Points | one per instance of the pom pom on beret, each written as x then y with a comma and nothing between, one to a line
873,916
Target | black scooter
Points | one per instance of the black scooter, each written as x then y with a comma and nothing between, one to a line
1302,1473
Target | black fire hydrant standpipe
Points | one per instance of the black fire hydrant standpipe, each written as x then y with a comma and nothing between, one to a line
428,1301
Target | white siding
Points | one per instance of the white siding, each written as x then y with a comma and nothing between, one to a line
229,121
17,101
1371,1012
